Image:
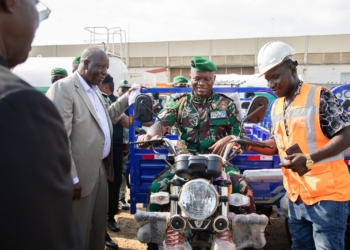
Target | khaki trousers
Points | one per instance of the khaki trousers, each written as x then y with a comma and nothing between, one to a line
91,212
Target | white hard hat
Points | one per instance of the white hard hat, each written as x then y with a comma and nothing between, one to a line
273,54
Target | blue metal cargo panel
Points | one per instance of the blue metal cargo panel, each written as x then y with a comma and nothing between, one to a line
267,193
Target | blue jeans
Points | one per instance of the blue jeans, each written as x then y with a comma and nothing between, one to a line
319,226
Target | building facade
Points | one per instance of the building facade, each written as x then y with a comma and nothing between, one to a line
323,59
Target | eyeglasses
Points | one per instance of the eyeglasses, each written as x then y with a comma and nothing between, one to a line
43,11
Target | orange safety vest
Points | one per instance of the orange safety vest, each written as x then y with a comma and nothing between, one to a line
329,179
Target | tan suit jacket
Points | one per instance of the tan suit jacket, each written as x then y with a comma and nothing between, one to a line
84,131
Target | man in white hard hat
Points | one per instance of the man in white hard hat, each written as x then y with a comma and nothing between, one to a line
310,131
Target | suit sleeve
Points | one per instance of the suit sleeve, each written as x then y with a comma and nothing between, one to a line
60,95
35,165
117,109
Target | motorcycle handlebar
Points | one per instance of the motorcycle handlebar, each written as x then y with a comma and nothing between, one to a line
239,141
149,141
253,143
159,141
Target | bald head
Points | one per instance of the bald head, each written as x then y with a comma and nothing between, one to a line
93,66
90,52
18,22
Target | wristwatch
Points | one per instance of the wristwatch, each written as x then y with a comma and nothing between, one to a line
309,162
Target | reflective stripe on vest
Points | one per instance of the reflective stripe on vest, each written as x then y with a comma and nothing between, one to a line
308,112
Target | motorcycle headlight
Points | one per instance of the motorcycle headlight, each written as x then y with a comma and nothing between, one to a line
198,199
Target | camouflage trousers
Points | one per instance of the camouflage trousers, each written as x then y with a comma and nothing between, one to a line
239,185
123,185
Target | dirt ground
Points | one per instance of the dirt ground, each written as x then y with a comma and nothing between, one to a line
275,233
126,238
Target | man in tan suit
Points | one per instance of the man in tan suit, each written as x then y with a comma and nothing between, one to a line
89,128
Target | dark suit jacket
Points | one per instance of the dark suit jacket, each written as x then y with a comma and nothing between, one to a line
36,187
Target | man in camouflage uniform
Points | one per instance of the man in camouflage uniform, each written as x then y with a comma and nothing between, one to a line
178,82
123,87
207,122
57,74
75,63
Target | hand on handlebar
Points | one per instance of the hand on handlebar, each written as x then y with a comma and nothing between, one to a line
218,147
149,141
145,137
246,147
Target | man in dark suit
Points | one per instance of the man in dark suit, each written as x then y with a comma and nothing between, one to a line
35,182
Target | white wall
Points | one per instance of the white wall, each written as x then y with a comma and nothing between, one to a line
323,74
147,78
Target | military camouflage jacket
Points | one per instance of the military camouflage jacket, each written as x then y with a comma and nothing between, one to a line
202,121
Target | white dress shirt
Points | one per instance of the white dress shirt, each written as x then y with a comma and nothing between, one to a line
101,114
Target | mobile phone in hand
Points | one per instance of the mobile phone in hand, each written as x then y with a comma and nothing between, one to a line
294,149
289,151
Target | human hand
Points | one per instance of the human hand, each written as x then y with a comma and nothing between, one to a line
218,146
76,191
296,162
136,87
145,137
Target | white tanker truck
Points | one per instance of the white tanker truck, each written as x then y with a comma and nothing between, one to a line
37,70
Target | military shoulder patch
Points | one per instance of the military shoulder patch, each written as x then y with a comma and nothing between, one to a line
225,96
172,104
178,96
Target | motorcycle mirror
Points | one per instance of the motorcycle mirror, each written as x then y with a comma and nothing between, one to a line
142,108
257,109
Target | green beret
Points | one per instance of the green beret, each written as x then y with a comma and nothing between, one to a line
124,84
180,79
76,60
201,64
59,71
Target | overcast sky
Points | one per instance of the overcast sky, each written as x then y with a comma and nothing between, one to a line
165,20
